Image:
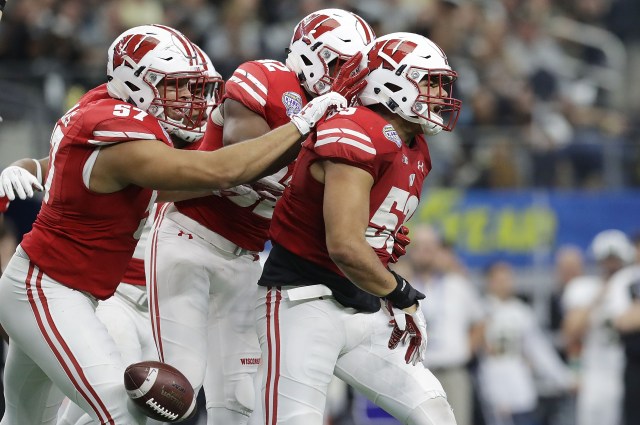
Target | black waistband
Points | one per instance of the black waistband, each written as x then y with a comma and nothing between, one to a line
283,267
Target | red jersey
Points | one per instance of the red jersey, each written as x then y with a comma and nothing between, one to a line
81,238
363,139
272,91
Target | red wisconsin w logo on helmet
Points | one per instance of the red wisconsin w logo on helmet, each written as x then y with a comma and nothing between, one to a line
389,53
314,26
134,46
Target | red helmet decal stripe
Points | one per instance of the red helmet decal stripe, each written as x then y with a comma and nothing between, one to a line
186,43
315,25
367,29
135,46
395,50
200,53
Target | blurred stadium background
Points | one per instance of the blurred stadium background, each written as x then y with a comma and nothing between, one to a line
546,153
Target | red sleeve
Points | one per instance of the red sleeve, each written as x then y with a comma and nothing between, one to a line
121,122
249,85
344,140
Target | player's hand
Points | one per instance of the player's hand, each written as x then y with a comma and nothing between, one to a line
400,244
240,190
410,330
308,117
16,180
269,184
350,85
404,295
4,204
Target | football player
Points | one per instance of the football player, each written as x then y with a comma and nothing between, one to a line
107,153
203,261
326,296
126,314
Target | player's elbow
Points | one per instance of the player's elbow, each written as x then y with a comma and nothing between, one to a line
341,251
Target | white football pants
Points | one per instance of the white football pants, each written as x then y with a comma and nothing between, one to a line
126,317
201,297
58,347
305,342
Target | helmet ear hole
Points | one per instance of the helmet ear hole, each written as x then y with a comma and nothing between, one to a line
132,86
394,88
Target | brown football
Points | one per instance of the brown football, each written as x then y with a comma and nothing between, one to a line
160,390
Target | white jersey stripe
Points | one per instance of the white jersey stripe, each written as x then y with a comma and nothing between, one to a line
137,135
345,130
109,134
254,80
101,143
124,134
262,101
351,142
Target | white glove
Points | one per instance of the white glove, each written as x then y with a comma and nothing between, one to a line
16,179
240,190
269,186
410,330
308,117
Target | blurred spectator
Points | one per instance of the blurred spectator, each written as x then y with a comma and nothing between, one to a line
538,88
559,408
625,312
453,312
593,345
516,352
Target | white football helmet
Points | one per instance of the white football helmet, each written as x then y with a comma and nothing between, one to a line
397,63
213,89
613,243
322,42
146,63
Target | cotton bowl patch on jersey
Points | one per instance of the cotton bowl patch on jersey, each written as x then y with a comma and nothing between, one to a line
391,134
292,102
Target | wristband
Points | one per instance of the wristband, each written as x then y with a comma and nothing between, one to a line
404,295
38,167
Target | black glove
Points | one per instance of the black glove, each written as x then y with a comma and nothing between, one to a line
404,295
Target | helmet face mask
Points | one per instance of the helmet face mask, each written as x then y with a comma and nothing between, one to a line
398,63
321,43
211,91
157,69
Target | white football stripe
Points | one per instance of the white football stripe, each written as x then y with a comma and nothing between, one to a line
249,90
146,385
351,142
344,130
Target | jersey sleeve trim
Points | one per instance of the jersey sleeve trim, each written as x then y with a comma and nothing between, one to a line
251,85
347,136
119,137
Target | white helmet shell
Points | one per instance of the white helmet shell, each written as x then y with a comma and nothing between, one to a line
397,63
321,42
142,58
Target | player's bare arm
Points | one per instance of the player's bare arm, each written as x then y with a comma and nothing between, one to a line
155,165
241,124
346,216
